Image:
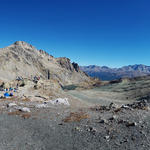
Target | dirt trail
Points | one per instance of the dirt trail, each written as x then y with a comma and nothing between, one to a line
97,96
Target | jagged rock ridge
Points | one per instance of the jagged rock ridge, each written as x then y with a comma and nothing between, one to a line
22,59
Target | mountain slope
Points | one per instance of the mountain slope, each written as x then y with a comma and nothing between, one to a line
106,73
22,59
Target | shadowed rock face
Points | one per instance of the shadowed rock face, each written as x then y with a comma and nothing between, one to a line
22,59
76,66
65,63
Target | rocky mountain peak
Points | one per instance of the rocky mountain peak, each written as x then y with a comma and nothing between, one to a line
23,45
22,59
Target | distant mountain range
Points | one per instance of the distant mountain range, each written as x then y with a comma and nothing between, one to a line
106,73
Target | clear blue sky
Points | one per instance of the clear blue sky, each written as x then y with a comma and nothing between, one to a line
101,32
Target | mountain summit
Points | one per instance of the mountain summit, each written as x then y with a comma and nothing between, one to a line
23,59
22,43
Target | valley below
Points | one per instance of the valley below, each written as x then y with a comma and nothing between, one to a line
124,91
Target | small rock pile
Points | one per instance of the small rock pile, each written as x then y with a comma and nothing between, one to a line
143,104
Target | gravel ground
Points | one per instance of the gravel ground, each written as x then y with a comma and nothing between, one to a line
64,128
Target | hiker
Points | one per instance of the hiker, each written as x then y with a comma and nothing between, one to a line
35,79
17,85
10,89
11,94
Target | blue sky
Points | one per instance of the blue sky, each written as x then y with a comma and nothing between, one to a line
101,32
